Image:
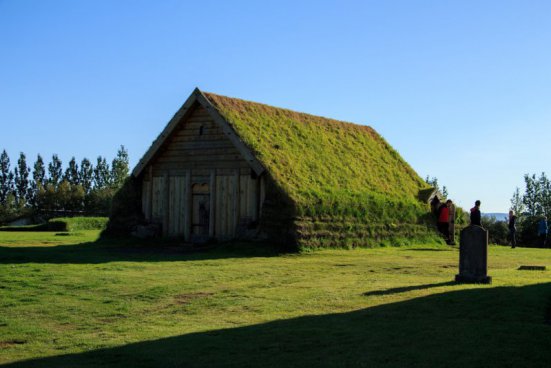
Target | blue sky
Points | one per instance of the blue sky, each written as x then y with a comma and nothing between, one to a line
462,89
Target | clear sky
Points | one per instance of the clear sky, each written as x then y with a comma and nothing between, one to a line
462,89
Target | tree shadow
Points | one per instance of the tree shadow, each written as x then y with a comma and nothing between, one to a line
481,327
133,250
404,289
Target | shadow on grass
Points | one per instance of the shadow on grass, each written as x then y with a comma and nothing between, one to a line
481,327
132,250
407,288
443,249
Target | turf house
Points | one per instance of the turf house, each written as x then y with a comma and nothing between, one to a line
225,168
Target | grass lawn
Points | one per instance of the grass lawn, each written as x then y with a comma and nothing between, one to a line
71,301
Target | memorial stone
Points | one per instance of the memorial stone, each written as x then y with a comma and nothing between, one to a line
473,256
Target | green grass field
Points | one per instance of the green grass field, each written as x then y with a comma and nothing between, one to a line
71,301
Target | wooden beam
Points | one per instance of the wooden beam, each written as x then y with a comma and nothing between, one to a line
194,145
175,157
193,152
200,138
172,166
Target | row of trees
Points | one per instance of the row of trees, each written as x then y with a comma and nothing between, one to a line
79,187
536,200
530,205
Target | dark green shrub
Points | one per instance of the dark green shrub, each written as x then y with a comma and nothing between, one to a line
63,224
527,231
498,231
99,201
77,223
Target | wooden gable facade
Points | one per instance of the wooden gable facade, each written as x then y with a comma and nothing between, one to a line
199,180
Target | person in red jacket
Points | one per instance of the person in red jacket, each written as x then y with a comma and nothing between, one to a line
444,220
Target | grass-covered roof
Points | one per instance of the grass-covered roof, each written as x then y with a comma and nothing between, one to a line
321,162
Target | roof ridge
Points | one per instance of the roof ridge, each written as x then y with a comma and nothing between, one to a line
333,120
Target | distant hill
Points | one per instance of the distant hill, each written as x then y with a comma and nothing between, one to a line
497,215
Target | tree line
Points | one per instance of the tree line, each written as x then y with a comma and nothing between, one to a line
529,206
536,200
49,187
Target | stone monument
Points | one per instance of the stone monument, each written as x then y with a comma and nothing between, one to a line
473,256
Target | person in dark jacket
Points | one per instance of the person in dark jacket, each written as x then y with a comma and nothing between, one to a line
435,206
475,214
512,228
542,231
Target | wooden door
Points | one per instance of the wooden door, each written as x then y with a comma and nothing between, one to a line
200,212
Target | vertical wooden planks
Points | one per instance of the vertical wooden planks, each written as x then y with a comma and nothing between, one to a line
235,203
145,191
180,209
218,229
166,202
146,199
262,195
212,209
150,195
252,209
222,207
170,205
229,205
177,191
187,206
216,196
243,183
234,198
157,199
